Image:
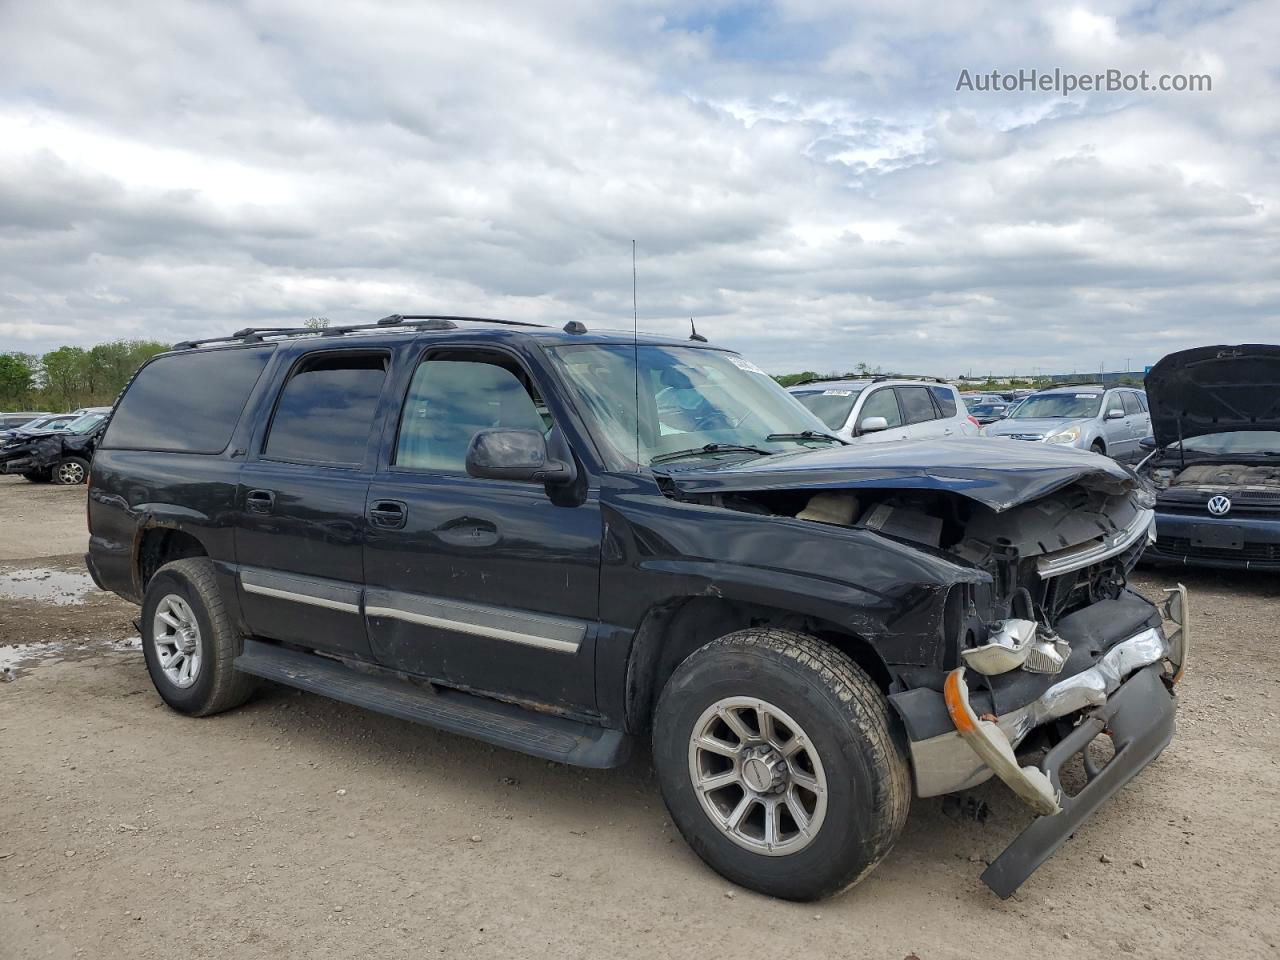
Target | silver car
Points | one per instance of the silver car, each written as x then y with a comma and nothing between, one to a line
1108,420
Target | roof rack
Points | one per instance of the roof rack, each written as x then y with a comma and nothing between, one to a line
416,321
873,378
1073,383
881,377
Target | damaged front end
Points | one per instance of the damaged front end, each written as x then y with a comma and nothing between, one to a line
30,454
1045,648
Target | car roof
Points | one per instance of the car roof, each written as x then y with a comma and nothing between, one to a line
861,383
1076,388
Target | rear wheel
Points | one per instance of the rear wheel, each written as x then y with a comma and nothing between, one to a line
778,764
71,471
188,640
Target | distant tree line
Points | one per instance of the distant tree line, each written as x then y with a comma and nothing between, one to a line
71,377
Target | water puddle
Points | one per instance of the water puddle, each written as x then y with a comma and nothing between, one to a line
23,657
60,587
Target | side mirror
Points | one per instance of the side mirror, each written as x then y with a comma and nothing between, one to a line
516,455
872,424
1114,414
1147,443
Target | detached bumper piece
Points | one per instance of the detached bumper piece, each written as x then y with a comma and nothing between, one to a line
1140,720
1127,695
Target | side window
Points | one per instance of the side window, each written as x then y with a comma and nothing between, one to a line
1114,402
916,405
1130,401
187,402
450,400
882,403
326,410
945,399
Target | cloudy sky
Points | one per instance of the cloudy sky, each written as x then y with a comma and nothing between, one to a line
802,178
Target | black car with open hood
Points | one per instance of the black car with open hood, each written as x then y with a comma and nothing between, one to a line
1215,466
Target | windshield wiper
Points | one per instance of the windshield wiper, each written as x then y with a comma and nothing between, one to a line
805,435
709,448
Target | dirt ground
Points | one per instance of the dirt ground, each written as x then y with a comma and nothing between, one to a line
296,826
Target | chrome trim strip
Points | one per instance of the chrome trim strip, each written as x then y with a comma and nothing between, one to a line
300,597
313,591
1093,551
498,623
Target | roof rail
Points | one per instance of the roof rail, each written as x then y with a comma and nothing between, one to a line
423,321
881,377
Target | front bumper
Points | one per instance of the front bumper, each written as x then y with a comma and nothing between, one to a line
1239,542
1126,694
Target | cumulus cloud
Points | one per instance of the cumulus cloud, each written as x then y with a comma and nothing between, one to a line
805,181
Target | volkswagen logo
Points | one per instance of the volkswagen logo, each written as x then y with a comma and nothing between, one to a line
1219,505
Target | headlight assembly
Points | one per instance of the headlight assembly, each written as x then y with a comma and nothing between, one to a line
1067,435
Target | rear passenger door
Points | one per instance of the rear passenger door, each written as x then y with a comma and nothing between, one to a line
919,413
300,521
478,583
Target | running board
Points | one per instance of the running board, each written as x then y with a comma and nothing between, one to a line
493,721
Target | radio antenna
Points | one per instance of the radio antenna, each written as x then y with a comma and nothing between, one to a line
635,347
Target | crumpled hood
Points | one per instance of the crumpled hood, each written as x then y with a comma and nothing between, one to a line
999,475
1215,390
1031,425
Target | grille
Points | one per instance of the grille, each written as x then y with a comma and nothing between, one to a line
1181,547
1024,436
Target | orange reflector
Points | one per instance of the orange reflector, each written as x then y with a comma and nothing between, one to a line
955,701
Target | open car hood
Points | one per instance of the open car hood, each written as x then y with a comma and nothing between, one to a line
1214,390
999,475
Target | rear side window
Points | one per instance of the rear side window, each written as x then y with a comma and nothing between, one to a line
916,405
326,410
186,402
946,400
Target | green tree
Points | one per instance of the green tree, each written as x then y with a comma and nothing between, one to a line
17,378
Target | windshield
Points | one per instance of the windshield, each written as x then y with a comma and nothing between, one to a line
832,407
85,424
688,398
1059,406
1233,442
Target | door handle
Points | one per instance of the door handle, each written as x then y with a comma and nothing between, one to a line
390,514
259,501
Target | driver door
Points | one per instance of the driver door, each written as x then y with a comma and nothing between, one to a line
478,583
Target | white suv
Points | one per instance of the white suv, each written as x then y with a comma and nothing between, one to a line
887,408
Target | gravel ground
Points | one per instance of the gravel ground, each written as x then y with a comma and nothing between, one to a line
297,826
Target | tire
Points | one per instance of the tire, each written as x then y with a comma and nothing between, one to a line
38,476
71,472
213,684
848,742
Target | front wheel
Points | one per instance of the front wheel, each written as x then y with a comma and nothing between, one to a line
778,764
70,472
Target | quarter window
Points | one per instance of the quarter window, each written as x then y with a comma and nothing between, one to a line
945,399
187,402
326,411
882,403
916,405
451,400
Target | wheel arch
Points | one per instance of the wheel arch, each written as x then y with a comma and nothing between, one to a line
161,543
673,629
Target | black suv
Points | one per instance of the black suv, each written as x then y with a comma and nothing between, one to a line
561,542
